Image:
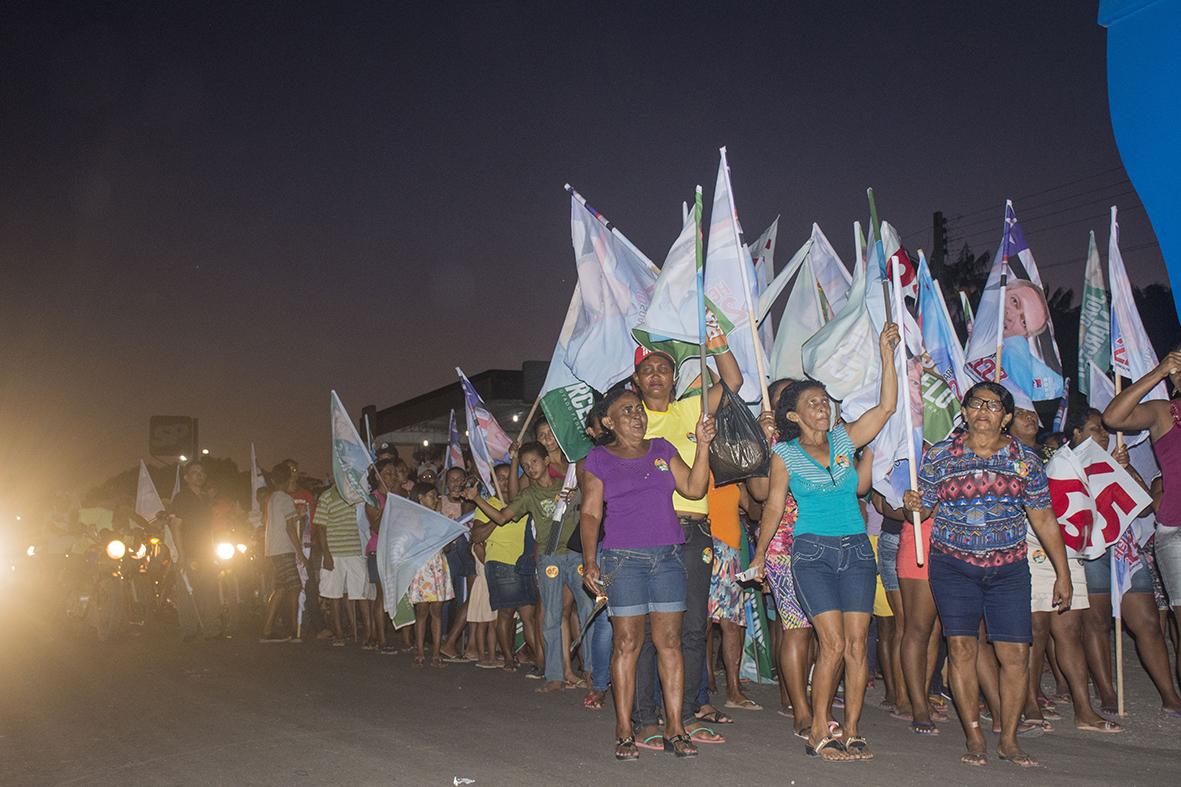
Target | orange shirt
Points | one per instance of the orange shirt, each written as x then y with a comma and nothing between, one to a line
723,513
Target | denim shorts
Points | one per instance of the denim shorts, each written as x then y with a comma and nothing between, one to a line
833,573
506,588
964,592
888,559
1167,549
1098,573
639,581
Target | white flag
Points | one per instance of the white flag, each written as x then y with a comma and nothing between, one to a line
616,287
257,482
762,251
409,536
147,500
1094,499
673,312
844,353
730,282
1132,355
771,293
1140,453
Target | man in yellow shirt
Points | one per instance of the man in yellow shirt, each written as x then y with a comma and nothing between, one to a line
676,421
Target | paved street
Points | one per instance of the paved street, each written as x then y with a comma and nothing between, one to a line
149,710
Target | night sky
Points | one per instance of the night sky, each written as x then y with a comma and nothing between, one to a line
225,211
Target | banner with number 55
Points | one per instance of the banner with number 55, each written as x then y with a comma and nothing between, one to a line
1094,498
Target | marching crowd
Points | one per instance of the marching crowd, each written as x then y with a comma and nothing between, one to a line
617,579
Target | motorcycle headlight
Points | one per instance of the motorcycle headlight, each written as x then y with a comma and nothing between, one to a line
225,551
153,541
241,549
31,551
116,549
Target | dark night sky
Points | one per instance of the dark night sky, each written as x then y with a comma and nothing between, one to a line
226,211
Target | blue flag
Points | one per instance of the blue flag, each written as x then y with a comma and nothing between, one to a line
409,536
939,336
350,456
489,443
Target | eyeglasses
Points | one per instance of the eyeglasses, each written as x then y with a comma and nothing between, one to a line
992,405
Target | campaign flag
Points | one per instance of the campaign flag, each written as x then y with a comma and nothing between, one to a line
672,322
1094,498
409,536
820,290
762,251
969,318
771,293
843,354
1132,355
894,253
1139,449
488,442
351,459
1030,362
149,505
147,500
941,406
1125,562
1094,324
730,282
939,336
454,457
176,484
565,399
1063,406
258,482
615,283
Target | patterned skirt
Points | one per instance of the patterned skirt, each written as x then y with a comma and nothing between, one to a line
432,582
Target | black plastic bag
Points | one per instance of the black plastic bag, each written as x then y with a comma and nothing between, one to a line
740,450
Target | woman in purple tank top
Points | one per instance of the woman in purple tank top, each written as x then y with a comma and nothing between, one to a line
638,566
1162,419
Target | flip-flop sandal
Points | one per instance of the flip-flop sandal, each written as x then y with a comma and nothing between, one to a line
1022,760
685,743
482,665
1172,714
827,742
625,749
1051,714
338,643
706,735
974,758
457,659
647,743
788,713
419,661
715,717
859,748
923,728
902,716
1044,724
802,734
1028,730
834,729
593,700
744,705
1101,726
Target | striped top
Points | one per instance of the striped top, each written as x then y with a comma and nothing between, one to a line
339,520
826,496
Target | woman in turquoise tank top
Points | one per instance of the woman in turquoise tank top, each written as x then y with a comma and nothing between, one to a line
832,561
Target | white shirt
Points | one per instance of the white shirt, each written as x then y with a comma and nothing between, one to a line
280,509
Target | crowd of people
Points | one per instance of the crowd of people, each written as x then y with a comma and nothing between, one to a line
617,575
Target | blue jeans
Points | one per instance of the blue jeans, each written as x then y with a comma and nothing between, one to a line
888,559
964,592
555,572
602,639
834,573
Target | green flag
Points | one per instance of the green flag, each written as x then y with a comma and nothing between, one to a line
1094,324
940,408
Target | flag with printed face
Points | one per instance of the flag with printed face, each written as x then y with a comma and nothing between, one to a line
454,457
1132,355
487,441
730,282
565,399
1094,499
350,456
1030,361
1094,325
615,286
939,336
408,537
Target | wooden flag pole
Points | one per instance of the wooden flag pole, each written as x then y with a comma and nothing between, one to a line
904,383
529,418
750,309
1119,621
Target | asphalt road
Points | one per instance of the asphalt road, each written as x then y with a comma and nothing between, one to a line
150,710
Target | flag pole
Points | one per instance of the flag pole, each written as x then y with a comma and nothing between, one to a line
750,310
1119,621
1000,318
701,337
912,460
610,227
529,418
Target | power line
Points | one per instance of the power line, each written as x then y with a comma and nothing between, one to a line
1027,209
1083,260
1046,190
1032,223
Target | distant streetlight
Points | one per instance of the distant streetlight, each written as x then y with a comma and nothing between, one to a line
204,452
183,458
18,517
426,443
516,417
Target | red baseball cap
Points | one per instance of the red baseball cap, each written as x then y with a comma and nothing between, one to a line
643,352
